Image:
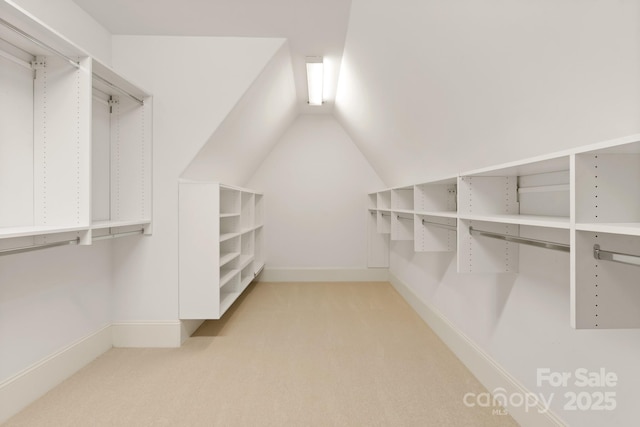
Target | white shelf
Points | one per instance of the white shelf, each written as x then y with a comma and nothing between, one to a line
228,257
228,236
442,214
245,260
227,299
99,225
628,228
26,231
229,215
250,229
226,275
531,220
403,211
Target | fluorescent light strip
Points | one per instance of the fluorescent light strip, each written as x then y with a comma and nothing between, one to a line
315,77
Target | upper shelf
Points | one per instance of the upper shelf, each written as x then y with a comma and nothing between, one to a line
532,220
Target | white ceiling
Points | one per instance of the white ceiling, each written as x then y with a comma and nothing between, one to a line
313,27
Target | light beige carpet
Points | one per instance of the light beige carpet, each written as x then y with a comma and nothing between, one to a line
287,354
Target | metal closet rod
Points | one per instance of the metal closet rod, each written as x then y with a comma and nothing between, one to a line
435,224
117,235
615,256
118,88
39,43
406,219
70,60
524,240
38,247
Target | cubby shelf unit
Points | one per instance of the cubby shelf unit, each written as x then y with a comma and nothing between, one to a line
221,246
51,189
585,201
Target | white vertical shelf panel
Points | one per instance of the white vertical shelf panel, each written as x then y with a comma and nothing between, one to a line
607,294
384,222
478,254
131,155
62,138
378,243
199,249
608,188
401,226
101,159
431,238
247,210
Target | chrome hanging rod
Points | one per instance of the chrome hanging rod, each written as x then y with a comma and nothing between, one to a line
383,214
117,235
119,89
39,43
38,247
435,224
524,240
406,219
615,256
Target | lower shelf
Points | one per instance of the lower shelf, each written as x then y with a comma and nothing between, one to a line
226,300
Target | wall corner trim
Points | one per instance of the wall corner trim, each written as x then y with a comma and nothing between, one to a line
21,390
324,275
481,365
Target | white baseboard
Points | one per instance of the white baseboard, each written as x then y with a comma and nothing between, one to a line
24,388
187,328
147,334
483,366
324,275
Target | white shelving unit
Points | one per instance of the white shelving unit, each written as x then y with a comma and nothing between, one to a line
45,140
605,293
499,200
585,201
221,246
59,179
122,152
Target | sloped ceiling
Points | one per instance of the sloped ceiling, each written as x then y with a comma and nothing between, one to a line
432,88
312,28
254,125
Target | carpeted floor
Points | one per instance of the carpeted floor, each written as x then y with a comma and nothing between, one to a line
286,354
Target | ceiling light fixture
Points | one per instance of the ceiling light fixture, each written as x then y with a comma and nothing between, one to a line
315,77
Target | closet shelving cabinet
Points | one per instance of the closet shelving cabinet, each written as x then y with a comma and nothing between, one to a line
221,246
122,154
49,183
584,201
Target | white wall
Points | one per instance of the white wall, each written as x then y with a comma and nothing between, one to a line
432,88
69,20
250,130
50,299
315,183
196,81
